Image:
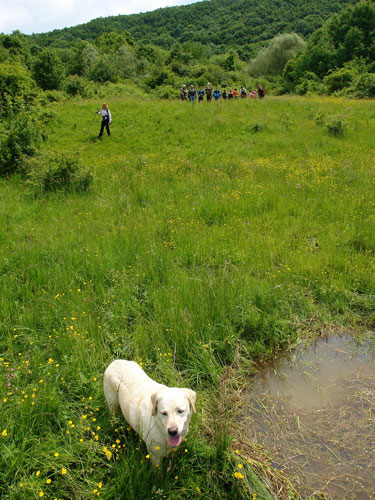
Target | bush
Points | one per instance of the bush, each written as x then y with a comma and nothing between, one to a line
102,72
19,137
365,86
339,79
16,82
309,84
336,126
54,172
48,70
74,86
167,92
53,96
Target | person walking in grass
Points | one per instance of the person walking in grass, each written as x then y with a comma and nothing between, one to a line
261,91
208,91
106,120
217,94
183,93
200,94
230,94
192,94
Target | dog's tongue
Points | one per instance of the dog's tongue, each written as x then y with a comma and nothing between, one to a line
174,440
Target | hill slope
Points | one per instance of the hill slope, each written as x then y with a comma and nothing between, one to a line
242,24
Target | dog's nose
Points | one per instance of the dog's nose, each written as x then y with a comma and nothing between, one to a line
172,431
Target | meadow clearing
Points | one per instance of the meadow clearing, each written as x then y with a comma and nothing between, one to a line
213,237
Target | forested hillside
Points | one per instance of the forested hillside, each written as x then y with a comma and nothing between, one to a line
219,24
339,57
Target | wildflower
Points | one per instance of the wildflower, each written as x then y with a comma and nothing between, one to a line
48,481
63,471
240,466
100,485
176,477
157,447
56,454
37,473
198,489
147,456
41,494
238,475
4,433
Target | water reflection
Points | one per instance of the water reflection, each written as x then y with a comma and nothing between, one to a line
315,414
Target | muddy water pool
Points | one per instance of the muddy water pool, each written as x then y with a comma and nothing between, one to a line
314,413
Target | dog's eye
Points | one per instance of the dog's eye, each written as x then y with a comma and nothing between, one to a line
180,411
164,413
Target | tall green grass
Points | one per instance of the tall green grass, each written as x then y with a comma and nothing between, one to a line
211,232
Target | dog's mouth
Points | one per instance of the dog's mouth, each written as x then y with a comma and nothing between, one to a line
174,440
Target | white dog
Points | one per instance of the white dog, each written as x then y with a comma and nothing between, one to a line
159,414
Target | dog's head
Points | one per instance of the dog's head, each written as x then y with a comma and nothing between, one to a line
173,407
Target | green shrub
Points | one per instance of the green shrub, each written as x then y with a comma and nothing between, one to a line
74,86
167,92
365,86
335,125
16,83
54,172
48,70
309,84
103,71
339,79
53,96
19,137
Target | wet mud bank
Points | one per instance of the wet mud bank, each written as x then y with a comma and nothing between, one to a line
314,414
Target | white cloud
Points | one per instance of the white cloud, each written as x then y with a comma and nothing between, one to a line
37,16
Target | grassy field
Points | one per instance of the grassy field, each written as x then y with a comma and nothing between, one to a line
213,237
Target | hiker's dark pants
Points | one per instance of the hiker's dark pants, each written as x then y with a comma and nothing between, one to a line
106,125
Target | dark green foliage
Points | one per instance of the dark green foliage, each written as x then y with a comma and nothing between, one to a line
74,86
346,40
19,137
48,70
16,84
53,172
339,79
365,86
110,42
242,24
102,71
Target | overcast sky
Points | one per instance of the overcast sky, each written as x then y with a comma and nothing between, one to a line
38,16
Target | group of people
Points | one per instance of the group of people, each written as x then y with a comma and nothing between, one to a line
208,92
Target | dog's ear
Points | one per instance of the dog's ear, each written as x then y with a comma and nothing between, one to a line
154,401
191,395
